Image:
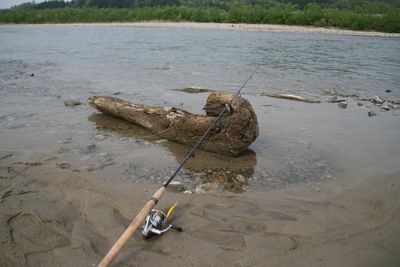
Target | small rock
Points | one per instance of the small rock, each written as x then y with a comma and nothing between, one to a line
239,178
377,100
205,187
63,165
371,113
388,91
336,99
193,90
32,74
100,137
360,104
342,104
188,192
117,93
72,102
385,107
331,92
175,186
161,141
394,106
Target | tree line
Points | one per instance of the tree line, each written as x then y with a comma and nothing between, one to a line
369,6
367,15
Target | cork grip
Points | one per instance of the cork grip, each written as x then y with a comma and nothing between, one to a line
135,224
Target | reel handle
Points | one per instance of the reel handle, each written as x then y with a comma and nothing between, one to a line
178,228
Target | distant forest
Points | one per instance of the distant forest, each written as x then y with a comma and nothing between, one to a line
378,15
370,6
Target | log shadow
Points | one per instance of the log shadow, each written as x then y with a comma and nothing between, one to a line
214,166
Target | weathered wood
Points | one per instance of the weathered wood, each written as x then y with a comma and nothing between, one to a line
292,97
237,129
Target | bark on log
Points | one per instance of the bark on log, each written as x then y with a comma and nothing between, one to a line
232,135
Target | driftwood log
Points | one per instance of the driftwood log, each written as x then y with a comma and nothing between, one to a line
236,130
292,97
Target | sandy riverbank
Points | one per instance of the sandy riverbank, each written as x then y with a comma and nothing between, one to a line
230,26
59,215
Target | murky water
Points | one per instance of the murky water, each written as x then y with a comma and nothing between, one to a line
41,66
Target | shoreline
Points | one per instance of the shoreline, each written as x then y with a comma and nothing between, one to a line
225,26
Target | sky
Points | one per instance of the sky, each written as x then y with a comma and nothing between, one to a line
10,3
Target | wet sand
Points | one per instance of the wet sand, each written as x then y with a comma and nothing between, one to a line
59,215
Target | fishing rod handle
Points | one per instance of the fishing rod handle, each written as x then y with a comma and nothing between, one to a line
135,224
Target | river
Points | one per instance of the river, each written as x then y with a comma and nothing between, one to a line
41,66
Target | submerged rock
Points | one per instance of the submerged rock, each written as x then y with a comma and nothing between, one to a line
342,104
336,99
240,179
292,97
175,186
72,102
193,90
377,100
206,187
232,135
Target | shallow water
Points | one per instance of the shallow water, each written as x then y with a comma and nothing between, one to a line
298,143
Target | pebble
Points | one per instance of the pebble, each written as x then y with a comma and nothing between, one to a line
371,113
161,141
385,107
336,99
99,137
342,104
176,186
360,104
388,91
72,102
32,74
240,178
205,187
188,192
377,100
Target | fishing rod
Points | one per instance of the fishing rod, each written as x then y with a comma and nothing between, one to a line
145,211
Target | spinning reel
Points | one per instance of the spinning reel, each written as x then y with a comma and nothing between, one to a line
156,223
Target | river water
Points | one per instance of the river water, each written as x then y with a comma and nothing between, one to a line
299,143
